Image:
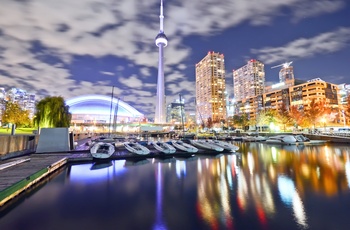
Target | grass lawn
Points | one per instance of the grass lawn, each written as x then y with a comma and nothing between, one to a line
18,131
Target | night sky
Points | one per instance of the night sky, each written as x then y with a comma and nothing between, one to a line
69,48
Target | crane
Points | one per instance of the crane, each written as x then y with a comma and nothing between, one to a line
285,65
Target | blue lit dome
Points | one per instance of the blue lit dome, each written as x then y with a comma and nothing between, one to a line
98,109
161,39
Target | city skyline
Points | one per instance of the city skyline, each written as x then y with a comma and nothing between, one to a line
73,48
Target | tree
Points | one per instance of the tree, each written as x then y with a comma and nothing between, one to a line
347,108
262,119
297,116
52,112
315,111
15,114
284,117
209,123
241,120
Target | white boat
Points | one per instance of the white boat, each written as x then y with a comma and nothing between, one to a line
302,140
248,138
225,145
260,138
136,148
184,146
163,147
101,150
205,144
282,139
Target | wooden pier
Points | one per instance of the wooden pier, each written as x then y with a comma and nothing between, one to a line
20,176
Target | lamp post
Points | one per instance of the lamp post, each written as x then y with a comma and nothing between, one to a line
323,120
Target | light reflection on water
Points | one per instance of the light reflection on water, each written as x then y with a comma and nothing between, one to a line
261,187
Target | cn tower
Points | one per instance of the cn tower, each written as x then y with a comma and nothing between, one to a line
161,41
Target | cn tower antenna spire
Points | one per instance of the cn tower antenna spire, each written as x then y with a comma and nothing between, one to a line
161,18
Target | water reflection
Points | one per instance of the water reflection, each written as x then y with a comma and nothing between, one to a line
261,187
296,171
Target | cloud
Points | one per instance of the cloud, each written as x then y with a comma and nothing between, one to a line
107,73
40,39
328,42
132,82
316,7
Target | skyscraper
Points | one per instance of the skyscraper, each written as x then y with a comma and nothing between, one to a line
286,73
249,80
161,41
211,88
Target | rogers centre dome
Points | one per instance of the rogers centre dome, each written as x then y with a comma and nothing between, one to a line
98,109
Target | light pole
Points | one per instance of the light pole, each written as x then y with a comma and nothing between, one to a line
323,120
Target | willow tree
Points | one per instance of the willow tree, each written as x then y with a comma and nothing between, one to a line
52,112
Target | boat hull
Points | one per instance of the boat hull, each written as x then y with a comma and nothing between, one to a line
101,150
136,148
184,146
163,147
206,145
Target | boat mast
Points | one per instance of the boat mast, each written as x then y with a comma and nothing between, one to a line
182,116
110,111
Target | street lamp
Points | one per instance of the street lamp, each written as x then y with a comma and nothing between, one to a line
323,120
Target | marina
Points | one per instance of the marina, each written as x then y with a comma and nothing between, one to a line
261,186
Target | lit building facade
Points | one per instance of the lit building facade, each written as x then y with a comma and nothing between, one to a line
286,73
176,112
101,109
2,102
315,89
301,94
25,100
211,88
249,80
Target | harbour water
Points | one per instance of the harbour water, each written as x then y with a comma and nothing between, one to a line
260,187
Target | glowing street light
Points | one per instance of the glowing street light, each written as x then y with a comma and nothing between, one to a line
323,120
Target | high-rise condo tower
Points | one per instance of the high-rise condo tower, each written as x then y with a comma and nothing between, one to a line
211,88
249,80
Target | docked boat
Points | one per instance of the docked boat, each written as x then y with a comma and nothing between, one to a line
136,148
260,138
163,147
225,145
102,150
302,140
282,139
249,138
184,146
205,144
